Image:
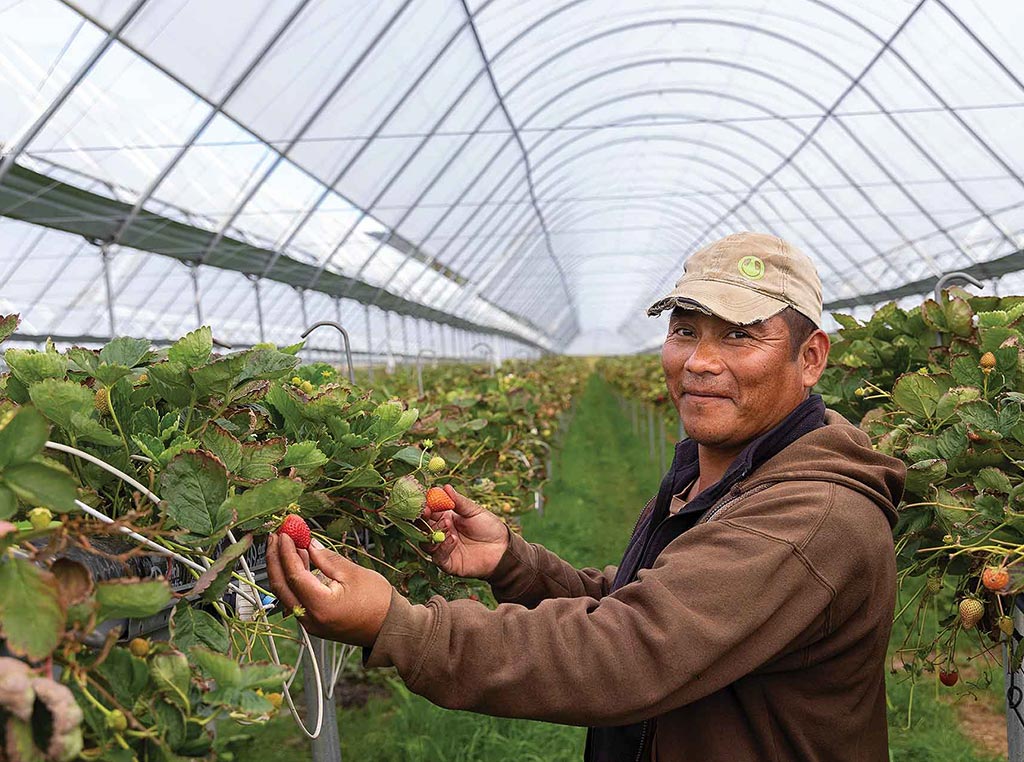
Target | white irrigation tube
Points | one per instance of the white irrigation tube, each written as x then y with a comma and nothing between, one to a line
250,578
275,657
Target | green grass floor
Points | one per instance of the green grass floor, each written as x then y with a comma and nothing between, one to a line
602,479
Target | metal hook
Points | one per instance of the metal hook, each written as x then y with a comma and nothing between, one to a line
344,335
419,366
490,351
951,279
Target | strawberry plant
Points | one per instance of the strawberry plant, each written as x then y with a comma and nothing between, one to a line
199,456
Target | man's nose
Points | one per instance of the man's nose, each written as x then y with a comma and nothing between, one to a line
705,358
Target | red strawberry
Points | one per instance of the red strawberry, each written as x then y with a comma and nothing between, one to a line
996,578
295,527
949,678
438,500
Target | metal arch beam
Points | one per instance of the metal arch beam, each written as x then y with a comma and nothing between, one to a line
855,81
711,146
752,104
83,71
293,141
217,108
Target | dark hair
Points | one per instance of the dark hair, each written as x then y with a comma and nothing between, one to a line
800,329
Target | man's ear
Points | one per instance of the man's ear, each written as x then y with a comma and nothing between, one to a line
813,356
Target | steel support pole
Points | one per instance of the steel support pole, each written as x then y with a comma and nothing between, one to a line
259,307
326,747
369,341
105,257
194,272
302,305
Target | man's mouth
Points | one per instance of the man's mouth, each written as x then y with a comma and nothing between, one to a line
705,394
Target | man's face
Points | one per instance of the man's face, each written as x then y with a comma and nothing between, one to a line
732,383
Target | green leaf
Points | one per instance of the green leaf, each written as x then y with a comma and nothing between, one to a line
263,675
966,371
8,325
916,394
406,499
476,424
31,617
8,503
150,446
923,474
172,677
303,456
224,669
126,675
38,483
219,377
191,626
959,317
146,420
390,422
992,479
85,426
263,499
170,721
267,364
194,486
193,349
224,445
108,375
22,437
214,581
131,598
57,400
934,316
31,367
259,459
172,381
124,351
362,476
979,416
411,455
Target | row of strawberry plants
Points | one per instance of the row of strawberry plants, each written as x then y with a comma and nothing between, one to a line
230,445
940,386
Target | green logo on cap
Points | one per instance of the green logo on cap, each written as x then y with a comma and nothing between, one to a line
752,268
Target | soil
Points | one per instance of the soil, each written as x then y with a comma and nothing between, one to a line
985,726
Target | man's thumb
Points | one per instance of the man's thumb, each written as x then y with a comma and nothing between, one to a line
463,505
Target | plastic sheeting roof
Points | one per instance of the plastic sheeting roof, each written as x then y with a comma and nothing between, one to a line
535,168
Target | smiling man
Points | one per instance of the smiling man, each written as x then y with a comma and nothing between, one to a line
749,617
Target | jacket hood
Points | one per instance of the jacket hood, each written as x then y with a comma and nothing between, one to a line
839,452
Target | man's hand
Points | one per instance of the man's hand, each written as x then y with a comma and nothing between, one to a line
348,604
476,539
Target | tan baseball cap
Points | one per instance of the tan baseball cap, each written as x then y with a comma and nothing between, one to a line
746,278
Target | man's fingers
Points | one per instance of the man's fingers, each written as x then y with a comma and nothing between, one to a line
335,566
276,575
300,580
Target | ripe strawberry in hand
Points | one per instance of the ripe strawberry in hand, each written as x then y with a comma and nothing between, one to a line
295,527
438,500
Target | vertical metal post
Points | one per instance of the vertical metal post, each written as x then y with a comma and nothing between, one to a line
337,319
105,255
419,335
405,338
1014,690
440,333
326,747
302,305
194,272
650,431
259,306
369,341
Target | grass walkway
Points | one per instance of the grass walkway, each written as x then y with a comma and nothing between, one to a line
601,480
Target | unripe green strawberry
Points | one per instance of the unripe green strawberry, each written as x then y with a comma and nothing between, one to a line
933,585
1006,625
139,647
859,392
117,722
40,518
971,612
436,465
437,536
101,400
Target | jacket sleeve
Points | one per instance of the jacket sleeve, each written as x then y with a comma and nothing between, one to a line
529,573
723,599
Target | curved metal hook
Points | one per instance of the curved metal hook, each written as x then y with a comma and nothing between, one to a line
344,335
491,354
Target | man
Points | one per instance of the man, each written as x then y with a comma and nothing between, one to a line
749,617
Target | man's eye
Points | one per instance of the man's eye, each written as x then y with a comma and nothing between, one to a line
737,334
683,332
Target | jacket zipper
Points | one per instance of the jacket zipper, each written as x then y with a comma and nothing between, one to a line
708,516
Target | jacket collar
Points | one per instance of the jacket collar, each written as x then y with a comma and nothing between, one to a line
805,417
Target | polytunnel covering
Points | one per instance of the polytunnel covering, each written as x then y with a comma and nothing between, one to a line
535,171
